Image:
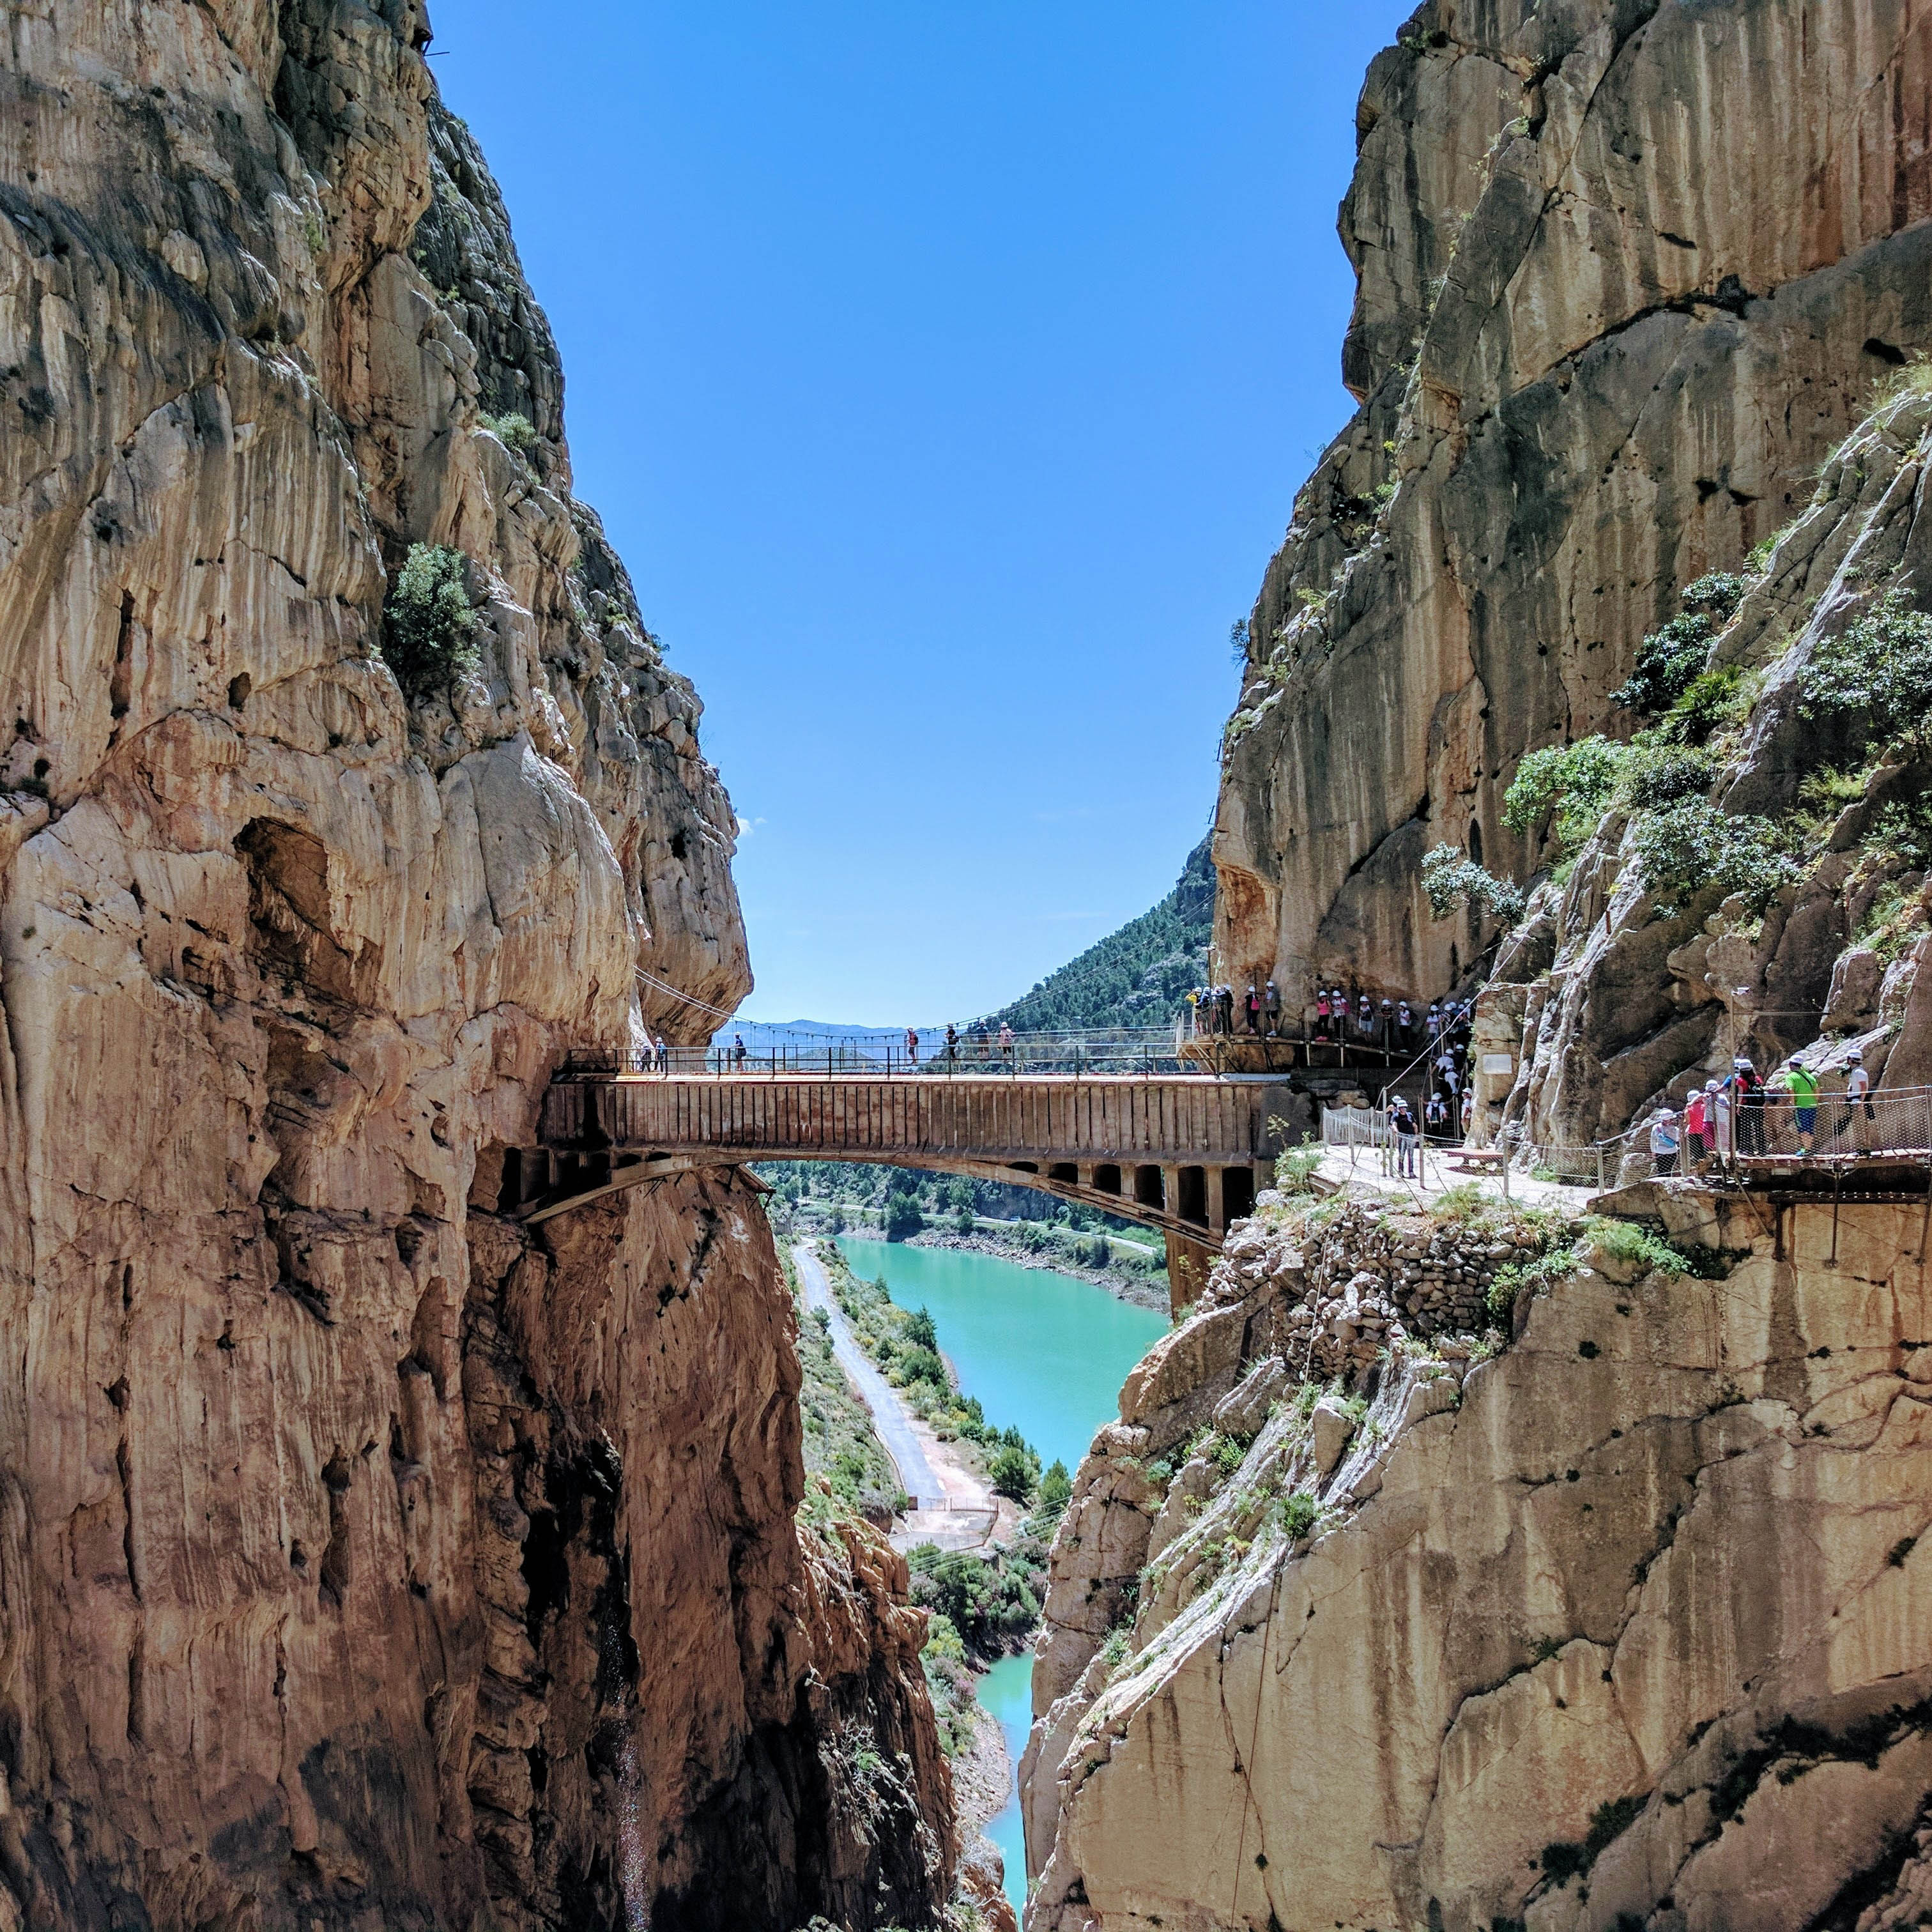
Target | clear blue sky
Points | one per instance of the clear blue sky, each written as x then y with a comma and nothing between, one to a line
944,374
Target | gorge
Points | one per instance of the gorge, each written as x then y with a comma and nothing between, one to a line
372,1557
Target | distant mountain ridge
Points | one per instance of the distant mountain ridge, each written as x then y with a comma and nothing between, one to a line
1137,975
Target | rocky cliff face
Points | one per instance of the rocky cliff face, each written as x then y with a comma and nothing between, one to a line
1627,270
1626,1624
1621,988
363,1560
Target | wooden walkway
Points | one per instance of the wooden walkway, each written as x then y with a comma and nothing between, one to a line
1184,1153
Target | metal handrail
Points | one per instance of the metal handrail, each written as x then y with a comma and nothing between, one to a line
1889,1126
1127,1053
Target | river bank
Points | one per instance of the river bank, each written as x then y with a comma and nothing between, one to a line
954,1505
1028,1244
1137,1291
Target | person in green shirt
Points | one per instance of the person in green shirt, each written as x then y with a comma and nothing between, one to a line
1804,1098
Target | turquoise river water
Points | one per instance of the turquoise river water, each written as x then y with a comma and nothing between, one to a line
1044,1353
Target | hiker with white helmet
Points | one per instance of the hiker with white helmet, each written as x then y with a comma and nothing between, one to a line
1720,1112
1750,1091
1663,1141
1857,1094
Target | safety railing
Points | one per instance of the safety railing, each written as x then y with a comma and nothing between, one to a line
1122,1051
1751,1142
1308,1041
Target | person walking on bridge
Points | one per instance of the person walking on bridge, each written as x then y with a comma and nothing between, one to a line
1321,1013
663,1053
911,1047
1271,1004
1253,1006
1857,1094
1751,1106
1805,1098
1006,1045
738,1052
1407,1135
1696,1118
951,1043
1663,1141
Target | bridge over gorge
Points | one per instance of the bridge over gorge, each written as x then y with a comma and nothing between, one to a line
1182,1151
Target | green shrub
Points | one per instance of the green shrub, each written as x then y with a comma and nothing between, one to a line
427,622
1295,1170
1691,845
1575,783
1465,1201
1823,794
515,430
1563,1862
1718,596
1667,661
1712,700
1630,1243
1912,378
1878,672
919,1331
989,1603
1297,1515
1905,827
1659,773
1452,879
921,1365
1056,1491
1892,922
1542,1273
1013,1472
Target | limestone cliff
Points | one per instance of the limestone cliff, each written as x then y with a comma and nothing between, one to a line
1803,931
1627,271
1628,1624
364,1560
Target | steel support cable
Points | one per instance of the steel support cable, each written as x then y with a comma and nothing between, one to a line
678,993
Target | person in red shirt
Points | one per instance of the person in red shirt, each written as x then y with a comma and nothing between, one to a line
1696,1117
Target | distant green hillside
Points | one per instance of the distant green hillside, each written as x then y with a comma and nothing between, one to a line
1136,976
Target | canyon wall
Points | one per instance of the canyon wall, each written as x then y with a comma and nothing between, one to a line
365,1560
1624,1622
1627,270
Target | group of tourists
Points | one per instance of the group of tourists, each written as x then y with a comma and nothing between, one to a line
1392,1025
1389,1024
1741,1117
1449,1107
979,1039
1217,1010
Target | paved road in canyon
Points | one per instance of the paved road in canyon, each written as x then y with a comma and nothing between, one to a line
889,1415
